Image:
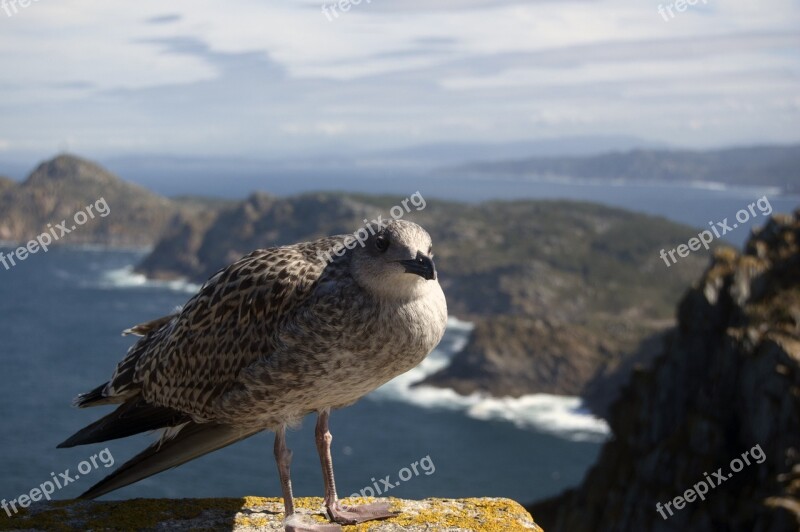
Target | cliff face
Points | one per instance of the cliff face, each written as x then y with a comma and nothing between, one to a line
513,355
58,189
197,246
726,385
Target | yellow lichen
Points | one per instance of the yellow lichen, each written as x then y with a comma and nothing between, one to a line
483,515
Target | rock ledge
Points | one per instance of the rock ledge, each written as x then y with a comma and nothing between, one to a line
258,514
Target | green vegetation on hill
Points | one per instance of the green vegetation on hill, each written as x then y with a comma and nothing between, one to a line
561,291
554,259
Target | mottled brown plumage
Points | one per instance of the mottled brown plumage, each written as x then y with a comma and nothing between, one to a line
277,335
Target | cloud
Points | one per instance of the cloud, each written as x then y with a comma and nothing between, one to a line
275,76
164,19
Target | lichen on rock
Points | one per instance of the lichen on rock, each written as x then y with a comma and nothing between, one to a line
251,514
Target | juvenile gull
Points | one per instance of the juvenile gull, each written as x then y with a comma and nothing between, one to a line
271,338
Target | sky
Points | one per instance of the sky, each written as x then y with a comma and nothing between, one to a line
289,78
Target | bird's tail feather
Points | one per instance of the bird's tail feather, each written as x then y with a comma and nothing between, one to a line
190,442
129,419
93,398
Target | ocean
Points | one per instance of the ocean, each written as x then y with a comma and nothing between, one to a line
62,316
63,312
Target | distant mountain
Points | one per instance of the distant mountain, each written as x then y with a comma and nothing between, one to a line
58,189
721,403
777,166
238,176
605,157
441,153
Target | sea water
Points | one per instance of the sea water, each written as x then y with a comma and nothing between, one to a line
62,315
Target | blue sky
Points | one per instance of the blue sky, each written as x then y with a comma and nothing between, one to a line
281,79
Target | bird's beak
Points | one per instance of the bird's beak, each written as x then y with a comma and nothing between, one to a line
422,265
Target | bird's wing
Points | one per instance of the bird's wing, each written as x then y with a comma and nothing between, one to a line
195,355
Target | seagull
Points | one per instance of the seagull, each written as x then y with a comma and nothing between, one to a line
275,336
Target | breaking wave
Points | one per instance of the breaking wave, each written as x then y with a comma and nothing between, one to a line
559,415
126,278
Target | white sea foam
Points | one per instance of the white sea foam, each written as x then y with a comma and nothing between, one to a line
709,185
559,415
737,190
127,278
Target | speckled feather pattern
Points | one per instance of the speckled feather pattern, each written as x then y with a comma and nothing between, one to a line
280,334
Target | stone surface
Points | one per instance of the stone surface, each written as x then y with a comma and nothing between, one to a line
259,514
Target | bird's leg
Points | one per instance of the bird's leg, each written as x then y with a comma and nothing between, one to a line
283,457
346,515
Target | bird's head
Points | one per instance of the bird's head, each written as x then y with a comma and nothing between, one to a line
396,260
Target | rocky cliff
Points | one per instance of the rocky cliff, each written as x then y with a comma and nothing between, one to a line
721,406
196,247
58,189
517,355
511,355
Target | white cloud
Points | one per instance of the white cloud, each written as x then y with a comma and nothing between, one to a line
236,76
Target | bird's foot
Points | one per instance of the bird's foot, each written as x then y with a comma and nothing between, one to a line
295,524
351,515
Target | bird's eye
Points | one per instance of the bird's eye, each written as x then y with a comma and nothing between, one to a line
382,243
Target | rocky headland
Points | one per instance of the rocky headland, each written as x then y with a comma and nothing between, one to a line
726,382
59,188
